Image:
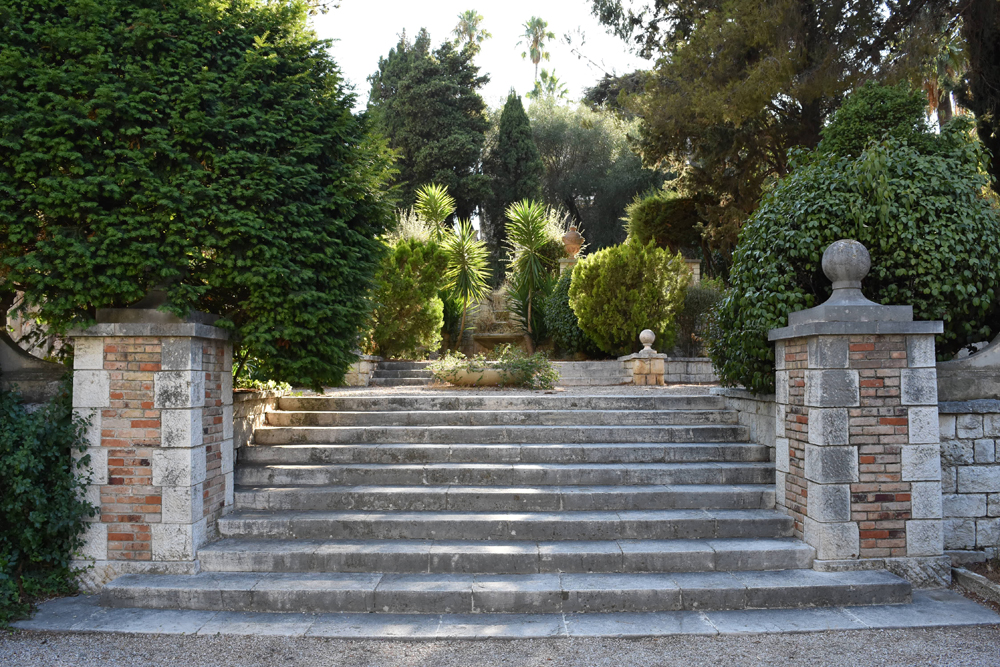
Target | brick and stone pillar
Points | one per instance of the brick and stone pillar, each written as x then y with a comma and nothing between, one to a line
158,393
857,442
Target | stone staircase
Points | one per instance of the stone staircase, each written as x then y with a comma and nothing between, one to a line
492,502
401,374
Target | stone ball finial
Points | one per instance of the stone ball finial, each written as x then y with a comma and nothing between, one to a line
846,263
647,337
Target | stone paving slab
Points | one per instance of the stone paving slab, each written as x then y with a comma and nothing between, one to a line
936,608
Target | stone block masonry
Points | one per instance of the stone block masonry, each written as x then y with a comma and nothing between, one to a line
970,478
856,430
159,401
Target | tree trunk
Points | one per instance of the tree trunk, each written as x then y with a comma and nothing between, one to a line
944,109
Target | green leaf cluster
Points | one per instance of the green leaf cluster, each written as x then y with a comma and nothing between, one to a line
591,170
516,369
408,313
563,324
694,321
666,218
619,291
204,147
426,103
514,167
42,507
925,217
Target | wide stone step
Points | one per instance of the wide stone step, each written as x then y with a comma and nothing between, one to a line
507,474
279,435
403,365
419,374
591,452
507,526
504,417
586,381
510,593
505,499
501,401
436,556
398,382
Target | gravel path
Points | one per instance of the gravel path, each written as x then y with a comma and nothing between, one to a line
945,646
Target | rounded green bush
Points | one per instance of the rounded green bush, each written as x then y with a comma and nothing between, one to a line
665,217
924,215
562,323
619,291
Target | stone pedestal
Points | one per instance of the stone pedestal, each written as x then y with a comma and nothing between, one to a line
567,264
158,393
857,442
646,367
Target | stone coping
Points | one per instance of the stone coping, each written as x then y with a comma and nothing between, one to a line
978,407
145,330
741,393
855,329
933,608
240,395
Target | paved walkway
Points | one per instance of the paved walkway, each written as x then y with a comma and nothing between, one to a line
929,609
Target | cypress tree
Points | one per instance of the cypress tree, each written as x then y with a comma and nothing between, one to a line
514,168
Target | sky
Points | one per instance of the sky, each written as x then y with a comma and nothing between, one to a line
367,29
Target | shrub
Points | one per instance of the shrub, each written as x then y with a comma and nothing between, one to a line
562,323
531,266
664,217
933,236
207,147
619,291
408,313
872,111
42,509
693,321
516,368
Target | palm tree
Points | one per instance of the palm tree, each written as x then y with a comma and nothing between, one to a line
468,29
434,205
527,236
548,85
468,270
535,36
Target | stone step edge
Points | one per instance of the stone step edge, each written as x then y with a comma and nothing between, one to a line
472,593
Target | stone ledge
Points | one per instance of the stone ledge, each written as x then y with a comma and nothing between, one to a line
148,330
242,395
921,572
742,394
977,584
855,329
92,575
978,407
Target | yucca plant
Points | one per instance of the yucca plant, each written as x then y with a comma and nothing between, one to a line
434,205
527,237
468,270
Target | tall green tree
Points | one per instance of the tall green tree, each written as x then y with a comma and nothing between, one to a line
737,83
514,167
536,34
590,168
428,106
980,91
208,149
469,31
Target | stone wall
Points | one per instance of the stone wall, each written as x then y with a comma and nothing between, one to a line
755,411
689,370
360,372
249,411
970,479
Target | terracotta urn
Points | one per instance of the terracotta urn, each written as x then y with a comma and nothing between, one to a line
573,241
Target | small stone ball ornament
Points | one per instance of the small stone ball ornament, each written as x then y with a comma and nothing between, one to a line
846,263
647,337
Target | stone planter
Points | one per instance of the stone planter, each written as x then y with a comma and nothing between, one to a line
485,378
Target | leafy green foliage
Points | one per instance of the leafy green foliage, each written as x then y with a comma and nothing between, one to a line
514,168
980,90
249,373
434,205
590,168
562,323
619,291
408,314
666,218
737,84
693,323
467,275
427,105
42,510
208,148
516,368
531,268
933,235
872,111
